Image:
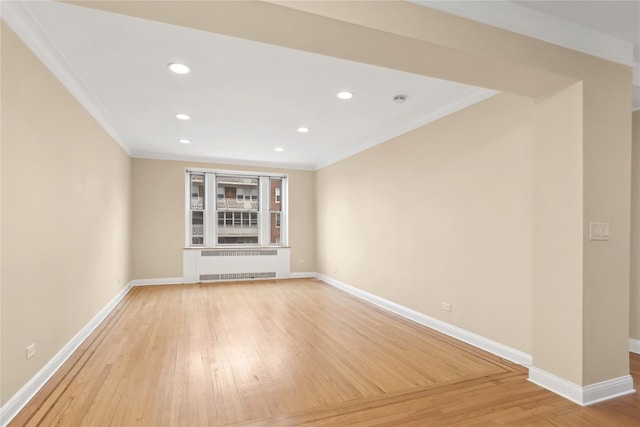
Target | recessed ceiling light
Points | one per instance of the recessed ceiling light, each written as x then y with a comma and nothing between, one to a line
184,141
279,149
179,68
181,116
345,95
303,129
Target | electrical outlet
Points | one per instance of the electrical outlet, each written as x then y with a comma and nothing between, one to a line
31,350
446,306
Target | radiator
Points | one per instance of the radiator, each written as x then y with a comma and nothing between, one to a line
209,264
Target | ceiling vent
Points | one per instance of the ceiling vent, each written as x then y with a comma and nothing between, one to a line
399,99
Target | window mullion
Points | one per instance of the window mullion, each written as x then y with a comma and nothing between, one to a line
284,213
210,209
264,214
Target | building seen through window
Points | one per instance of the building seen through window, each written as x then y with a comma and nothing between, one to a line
246,209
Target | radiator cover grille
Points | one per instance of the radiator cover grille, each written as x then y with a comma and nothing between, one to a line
240,252
237,276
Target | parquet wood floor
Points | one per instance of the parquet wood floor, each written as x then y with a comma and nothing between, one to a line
291,353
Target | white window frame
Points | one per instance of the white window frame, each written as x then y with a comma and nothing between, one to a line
211,207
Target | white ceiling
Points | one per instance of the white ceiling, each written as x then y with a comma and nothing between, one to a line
248,98
245,98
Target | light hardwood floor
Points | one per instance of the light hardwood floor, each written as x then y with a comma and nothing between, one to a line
289,353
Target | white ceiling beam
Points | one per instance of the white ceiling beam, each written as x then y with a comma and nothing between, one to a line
552,29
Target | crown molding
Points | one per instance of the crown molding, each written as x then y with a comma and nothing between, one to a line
22,21
528,22
153,155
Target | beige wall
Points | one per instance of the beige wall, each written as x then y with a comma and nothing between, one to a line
440,214
65,215
158,216
2,398
557,210
634,320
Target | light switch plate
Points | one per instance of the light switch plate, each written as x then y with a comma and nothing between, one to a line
598,231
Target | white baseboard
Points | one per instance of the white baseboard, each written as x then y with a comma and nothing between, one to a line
305,275
26,393
161,281
634,345
587,395
180,280
475,340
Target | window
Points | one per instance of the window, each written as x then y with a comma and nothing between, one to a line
196,217
229,208
275,210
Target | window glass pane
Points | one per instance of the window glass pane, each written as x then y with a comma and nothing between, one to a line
197,191
275,228
275,208
197,228
275,187
234,191
197,206
238,205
